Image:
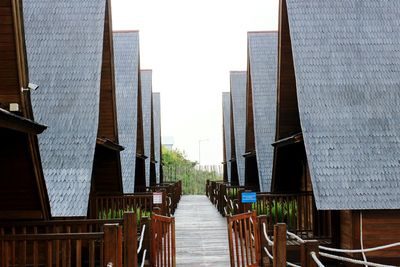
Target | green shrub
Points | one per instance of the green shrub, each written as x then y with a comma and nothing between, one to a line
119,214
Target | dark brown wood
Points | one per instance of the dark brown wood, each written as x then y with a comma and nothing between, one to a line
279,247
163,251
20,160
305,253
106,176
130,241
111,244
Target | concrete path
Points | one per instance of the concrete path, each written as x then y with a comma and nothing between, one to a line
201,234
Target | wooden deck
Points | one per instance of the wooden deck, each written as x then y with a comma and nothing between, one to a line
201,234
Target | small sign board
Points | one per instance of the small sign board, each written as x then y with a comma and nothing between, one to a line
157,197
249,197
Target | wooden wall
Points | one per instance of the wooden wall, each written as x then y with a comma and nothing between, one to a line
108,117
9,85
19,191
106,176
251,173
290,161
379,227
23,193
250,139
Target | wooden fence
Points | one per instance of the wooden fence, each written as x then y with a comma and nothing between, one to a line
63,249
162,241
244,243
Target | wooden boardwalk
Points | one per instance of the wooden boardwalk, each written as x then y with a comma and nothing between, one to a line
201,234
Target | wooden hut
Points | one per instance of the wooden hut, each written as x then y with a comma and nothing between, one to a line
226,130
338,90
23,193
261,108
238,119
146,89
106,176
65,44
157,138
130,125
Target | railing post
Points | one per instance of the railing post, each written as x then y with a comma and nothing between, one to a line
112,245
265,261
130,239
305,249
279,247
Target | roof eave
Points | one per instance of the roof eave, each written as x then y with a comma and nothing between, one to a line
107,143
18,123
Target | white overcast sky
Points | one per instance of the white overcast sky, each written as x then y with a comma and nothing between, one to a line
191,45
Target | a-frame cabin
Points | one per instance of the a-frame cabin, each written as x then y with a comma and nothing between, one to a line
23,193
65,42
338,90
157,137
130,125
260,108
106,175
226,135
238,122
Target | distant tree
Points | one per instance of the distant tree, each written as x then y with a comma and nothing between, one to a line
176,166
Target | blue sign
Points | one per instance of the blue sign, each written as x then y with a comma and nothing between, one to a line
249,197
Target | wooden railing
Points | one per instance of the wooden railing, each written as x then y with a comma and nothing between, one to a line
162,241
173,191
296,210
85,251
244,245
113,206
63,249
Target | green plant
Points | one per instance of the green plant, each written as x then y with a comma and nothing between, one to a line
119,214
278,211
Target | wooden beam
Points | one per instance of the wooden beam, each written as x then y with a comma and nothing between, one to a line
14,122
107,143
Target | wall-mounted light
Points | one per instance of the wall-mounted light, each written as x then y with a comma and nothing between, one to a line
31,86
14,107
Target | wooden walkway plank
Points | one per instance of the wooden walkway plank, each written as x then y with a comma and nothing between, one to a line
201,234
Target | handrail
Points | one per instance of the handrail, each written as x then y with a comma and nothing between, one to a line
315,258
360,250
270,242
143,258
141,238
346,259
294,236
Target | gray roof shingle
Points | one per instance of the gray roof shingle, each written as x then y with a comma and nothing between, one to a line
263,47
226,117
126,55
64,41
146,86
157,133
347,63
238,92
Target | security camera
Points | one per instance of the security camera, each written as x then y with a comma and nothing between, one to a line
33,86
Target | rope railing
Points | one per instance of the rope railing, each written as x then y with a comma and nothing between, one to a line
270,242
268,254
143,258
316,260
141,238
294,236
360,250
350,260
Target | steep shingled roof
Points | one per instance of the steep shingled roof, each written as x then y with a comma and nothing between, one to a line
64,41
347,63
238,102
262,56
146,86
157,133
126,56
226,118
